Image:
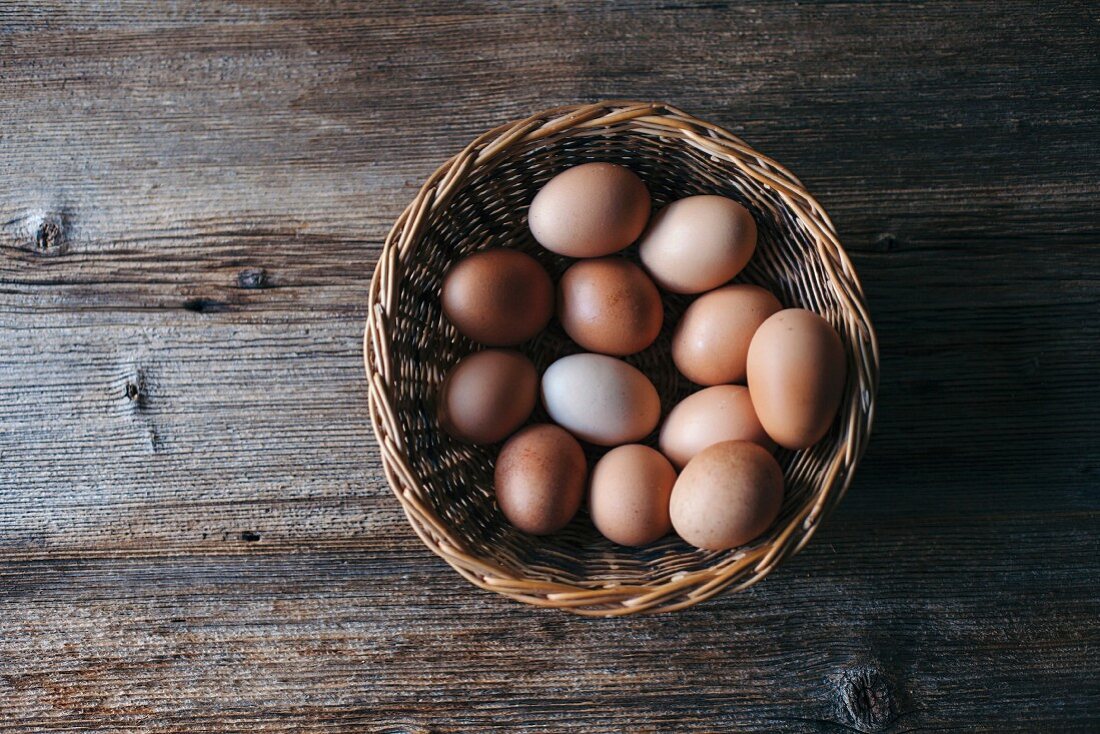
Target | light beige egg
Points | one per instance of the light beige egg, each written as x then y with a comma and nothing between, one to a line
698,243
590,210
796,372
629,493
600,399
711,343
710,416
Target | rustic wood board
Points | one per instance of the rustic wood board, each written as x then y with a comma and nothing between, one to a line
194,531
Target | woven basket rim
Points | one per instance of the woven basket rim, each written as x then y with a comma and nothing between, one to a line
744,568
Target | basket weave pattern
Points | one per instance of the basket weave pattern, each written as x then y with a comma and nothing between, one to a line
479,199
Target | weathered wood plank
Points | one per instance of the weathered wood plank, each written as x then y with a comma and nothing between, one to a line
376,634
194,530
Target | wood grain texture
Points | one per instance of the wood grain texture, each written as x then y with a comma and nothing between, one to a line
194,531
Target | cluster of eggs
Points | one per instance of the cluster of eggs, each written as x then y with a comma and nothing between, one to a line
714,479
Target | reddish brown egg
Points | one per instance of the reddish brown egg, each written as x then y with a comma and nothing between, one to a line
609,305
539,479
628,495
590,210
710,416
727,495
498,297
711,343
488,395
796,371
698,243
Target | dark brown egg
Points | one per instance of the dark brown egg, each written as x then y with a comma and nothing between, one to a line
539,479
727,495
609,305
796,371
498,297
488,395
590,210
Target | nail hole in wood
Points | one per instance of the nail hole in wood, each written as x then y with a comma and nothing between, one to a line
204,305
886,242
250,537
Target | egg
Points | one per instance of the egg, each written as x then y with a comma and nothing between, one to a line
498,297
590,210
726,496
609,305
539,479
600,399
710,416
628,495
487,395
711,342
796,371
698,243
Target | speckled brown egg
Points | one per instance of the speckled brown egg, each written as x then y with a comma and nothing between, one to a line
698,243
488,395
711,343
590,210
628,495
609,305
796,371
600,399
727,495
498,297
710,416
539,479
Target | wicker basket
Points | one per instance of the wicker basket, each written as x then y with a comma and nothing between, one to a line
479,198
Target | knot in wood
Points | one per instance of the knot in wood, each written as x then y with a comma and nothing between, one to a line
48,235
868,697
43,231
252,278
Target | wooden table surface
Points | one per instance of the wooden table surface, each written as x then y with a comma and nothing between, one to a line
195,534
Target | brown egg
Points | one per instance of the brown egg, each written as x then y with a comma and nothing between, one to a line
590,210
710,416
726,496
628,495
698,243
796,371
600,399
609,305
487,395
539,479
711,341
498,297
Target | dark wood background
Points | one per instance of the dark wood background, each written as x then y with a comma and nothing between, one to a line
195,533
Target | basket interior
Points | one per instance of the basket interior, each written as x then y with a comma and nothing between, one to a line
490,210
